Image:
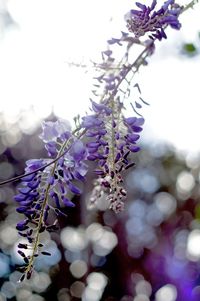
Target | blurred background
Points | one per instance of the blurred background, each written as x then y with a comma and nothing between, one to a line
151,251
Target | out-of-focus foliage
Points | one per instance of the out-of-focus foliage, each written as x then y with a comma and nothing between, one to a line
148,252
191,49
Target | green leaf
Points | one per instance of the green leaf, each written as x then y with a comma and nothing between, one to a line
189,48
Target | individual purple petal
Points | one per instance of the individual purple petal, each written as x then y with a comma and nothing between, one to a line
97,107
133,137
138,105
82,169
130,120
118,156
108,111
79,150
65,136
34,184
114,41
99,172
78,176
117,136
34,164
124,34
166,4
21,226
26,203
92,150
141,6
51,148
102,132
56,200
38,206
46,212
20,197
22,246
92,157
135,12
107,52
134,148
91,121
93,144
136,129
153,5
100,156
139,121
28,178
121,145
30,211
21,209
33,194
62,186
24,190
91,134
67,202
103,142
74,188
51,180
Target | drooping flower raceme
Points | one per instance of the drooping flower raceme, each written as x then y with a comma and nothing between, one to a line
111,139
148,20
49,189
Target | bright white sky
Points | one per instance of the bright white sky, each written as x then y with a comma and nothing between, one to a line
50,33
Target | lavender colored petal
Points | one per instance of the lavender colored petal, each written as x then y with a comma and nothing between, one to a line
74,188
67,202
134,148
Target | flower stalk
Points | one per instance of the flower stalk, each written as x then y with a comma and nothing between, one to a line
36,242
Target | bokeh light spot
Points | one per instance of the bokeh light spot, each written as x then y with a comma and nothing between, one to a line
77,289
73,239
4,265
78,268
185,182
143,287
23,294
40,282
141,297
166,203
8,289
97,281
166,293
6,170
193,245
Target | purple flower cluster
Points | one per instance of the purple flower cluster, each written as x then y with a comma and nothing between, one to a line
30,196
54,134
110,139
48,187
148,20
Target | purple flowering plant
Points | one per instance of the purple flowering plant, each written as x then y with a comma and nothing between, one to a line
106,136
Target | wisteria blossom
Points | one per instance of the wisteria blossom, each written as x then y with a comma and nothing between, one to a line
108,136
148,20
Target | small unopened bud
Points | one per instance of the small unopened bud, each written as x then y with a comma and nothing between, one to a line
46,253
